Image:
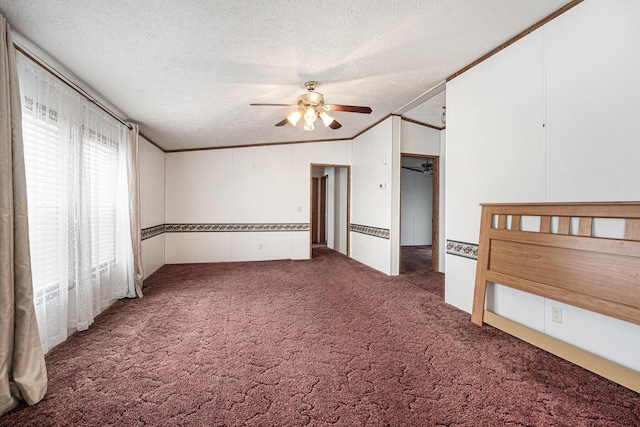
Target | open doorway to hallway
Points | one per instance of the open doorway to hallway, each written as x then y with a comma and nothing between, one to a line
419,207
330,207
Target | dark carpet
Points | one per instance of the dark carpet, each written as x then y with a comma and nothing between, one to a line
321,342
415,258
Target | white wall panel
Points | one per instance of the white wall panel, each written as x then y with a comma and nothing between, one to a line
142,159
417,208
383,176
459,281
394,211
495,151
152,254
417,139
261,246
153,190
341,228
184,248
331,207
514,304
443,202
362,248
261,183
424,211
337,227
152,194
363,183
372,188
300,245
199,187
408,218
593,64
382,255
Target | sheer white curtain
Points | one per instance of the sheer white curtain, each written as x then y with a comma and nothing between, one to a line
77,190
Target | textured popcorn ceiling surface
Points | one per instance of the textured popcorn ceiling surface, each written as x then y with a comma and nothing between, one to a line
187,71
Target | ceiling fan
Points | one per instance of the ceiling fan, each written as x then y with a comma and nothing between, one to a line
311,105
427,168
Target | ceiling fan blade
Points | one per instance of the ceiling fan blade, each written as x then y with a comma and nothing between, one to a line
350,108
273,105
335,125
282,123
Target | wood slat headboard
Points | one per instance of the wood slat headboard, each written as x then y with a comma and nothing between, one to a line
567,264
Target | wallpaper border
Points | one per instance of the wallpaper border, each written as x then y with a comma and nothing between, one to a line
370,231
462,249
154,231
217,227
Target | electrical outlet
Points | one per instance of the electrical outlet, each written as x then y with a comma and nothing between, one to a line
260,246
556,314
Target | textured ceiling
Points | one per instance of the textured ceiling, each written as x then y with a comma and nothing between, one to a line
187,71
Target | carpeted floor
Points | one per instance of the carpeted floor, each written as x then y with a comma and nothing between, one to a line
415,258
322,342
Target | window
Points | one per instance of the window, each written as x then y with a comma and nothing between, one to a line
75,163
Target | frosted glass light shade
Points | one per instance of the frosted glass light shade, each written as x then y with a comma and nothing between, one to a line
326,119
293,118
310,116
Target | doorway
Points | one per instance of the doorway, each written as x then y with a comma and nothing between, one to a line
419,213
330,207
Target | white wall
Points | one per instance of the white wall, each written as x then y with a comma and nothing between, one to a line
330,206
336,208
371,187
443,202
268,184
417,204
552,117
340,210
418,139
152,174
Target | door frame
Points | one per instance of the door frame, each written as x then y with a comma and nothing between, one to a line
435,209
348,222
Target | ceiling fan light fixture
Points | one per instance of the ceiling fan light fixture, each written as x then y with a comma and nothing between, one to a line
294,117
326,119
311,105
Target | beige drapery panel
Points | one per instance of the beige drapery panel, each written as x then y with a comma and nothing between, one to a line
23,372
133,172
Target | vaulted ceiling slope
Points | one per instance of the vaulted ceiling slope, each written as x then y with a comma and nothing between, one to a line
187,71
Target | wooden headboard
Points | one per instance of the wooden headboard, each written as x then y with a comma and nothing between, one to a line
562,261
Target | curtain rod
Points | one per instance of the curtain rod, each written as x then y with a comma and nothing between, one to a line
41,62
